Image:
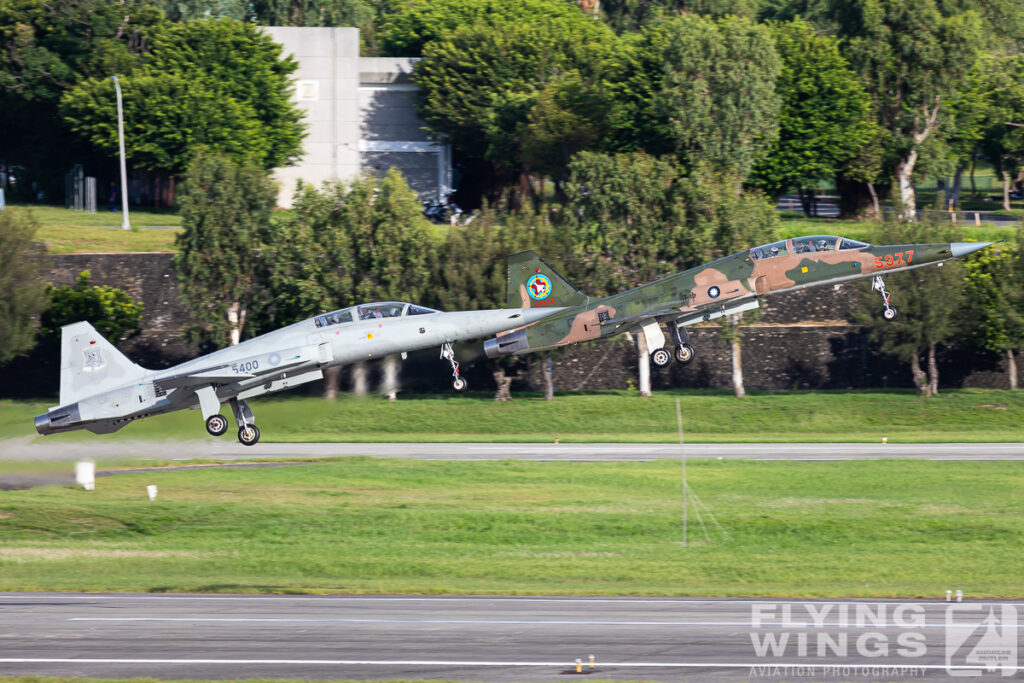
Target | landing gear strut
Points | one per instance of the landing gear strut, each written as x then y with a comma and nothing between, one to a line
459,383
877,283
684,352
248,433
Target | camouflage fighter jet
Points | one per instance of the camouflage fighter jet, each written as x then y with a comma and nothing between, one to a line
102,391
731,284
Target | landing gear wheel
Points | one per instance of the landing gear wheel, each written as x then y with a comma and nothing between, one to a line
249,435
661,357
684,354
216,425
889,313
460,384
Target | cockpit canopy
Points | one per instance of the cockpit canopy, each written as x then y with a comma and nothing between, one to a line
804,245
379,309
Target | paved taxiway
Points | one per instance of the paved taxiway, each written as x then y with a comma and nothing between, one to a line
474,638
223,449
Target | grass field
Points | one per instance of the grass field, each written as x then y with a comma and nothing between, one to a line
867,528
69,232
708,415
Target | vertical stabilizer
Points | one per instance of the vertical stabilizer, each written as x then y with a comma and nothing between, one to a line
533,283
89,364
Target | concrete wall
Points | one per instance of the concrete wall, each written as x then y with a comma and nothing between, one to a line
803,341
361,113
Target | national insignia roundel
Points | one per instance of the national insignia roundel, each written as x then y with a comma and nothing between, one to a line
538,287
713,292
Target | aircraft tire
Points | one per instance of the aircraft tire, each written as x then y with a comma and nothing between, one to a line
248,435
460,384
889,313
684,354
661,357
216,425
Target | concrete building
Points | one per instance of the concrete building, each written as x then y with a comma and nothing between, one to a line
360,113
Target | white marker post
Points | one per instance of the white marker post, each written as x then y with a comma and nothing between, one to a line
85,474
151,491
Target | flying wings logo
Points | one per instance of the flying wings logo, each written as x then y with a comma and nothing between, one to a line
538,287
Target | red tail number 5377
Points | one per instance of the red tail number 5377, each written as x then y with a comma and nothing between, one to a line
896,259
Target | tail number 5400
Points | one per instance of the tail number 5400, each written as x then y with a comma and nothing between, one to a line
896,259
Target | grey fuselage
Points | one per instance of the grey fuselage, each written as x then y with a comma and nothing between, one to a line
278,360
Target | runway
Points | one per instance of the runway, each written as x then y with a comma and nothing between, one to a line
223,449
491,638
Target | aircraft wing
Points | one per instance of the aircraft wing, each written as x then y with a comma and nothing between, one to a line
228,373
674,315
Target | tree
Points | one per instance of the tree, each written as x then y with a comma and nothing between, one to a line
225,212
48,48
714,96
308,264
531,93
630,15
1003,139
914,56
826,117
929,301
995,316
111,311
626,220
23,293
410,25
220,84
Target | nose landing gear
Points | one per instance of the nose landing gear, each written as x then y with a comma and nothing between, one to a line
459,383
878,284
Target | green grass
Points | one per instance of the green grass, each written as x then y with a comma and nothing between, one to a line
858,528
72,232
617,416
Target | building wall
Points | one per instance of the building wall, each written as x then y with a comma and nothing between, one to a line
360,112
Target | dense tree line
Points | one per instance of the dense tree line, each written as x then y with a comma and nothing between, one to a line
636,137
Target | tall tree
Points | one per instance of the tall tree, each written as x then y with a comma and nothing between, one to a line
914,56
23,295
929,300
407,26
826,117
48,48
995,316
532,93
219,84
714,91
225,212
1003,137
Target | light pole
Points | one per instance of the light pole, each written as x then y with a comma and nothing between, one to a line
124,175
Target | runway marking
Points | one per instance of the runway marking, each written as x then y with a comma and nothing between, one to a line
531,622
508,599
432,662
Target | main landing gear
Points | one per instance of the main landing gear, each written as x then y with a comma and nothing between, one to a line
683,353
877,283
459,382
248,433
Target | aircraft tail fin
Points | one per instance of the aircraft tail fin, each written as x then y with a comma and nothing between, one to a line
89,364
533,283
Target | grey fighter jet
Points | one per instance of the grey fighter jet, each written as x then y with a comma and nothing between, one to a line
102,391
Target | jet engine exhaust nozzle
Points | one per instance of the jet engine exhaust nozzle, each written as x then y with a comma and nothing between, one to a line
506,344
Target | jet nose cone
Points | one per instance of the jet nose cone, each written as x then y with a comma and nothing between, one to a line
959,249
533,314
